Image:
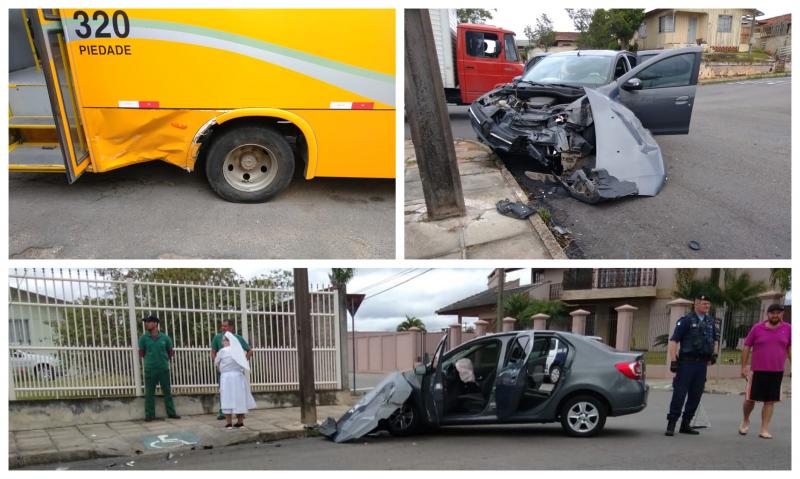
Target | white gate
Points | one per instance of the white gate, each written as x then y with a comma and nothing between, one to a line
74,333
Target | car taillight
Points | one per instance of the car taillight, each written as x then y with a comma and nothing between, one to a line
632,369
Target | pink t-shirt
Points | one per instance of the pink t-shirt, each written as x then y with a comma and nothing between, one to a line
769,346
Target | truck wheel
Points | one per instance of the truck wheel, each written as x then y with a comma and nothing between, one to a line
583,416
249,164
403,422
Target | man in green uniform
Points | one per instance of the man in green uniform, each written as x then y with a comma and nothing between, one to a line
216,344
155,348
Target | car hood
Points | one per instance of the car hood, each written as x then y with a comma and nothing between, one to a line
625,149
377,405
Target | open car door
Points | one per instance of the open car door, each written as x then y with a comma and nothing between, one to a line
433,385
48,37
661,91
511,378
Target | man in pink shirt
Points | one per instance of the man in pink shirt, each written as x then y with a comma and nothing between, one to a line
771,343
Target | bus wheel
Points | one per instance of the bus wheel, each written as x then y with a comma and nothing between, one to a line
249,164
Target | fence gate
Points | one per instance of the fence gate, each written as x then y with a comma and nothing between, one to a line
74,333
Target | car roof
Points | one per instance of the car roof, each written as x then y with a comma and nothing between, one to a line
590,53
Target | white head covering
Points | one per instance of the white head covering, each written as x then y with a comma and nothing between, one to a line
237,353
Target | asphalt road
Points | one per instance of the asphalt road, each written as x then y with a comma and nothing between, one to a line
633,442
728,184
155,210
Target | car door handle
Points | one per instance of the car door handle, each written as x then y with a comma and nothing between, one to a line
508,69
681,100
469,68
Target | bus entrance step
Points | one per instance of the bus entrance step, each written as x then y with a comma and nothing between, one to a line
36,157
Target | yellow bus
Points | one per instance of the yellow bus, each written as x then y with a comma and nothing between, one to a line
249,97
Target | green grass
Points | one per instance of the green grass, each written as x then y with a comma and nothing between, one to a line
739,57
660,357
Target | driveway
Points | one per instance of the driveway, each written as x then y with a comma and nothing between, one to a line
158,211
728,184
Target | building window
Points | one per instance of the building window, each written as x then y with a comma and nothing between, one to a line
724,23
643,30
19,332
537,277
666,24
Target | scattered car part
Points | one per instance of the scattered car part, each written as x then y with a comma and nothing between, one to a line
514,209
694,245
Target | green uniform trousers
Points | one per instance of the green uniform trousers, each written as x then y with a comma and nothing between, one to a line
151,378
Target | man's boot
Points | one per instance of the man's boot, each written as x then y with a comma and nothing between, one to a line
687,429
670,427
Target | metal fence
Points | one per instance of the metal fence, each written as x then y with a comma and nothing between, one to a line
74,333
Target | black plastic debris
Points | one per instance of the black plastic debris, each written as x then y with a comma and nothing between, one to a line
694,245
514,209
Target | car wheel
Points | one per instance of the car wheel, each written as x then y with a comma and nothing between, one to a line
583,416
44,372
555,374
249,164
404,421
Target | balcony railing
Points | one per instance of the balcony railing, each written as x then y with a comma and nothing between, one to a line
555,291
576,279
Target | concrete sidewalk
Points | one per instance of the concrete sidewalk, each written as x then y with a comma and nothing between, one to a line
722,386
132,438
482,232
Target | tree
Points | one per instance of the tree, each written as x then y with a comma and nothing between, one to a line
545,36
411,322
530,35
613,29
474,15
739,292
780,278
521,307
581,19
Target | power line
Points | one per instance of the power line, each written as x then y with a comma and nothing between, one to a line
398,284
387,279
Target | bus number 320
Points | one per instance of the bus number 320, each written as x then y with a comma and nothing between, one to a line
119,23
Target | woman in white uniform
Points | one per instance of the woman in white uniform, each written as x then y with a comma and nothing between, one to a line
234,390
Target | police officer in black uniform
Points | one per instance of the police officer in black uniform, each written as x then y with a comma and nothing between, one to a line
692,348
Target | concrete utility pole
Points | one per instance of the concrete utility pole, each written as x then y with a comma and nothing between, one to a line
501,281
429,120
305,345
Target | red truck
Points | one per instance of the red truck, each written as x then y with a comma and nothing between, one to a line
473,59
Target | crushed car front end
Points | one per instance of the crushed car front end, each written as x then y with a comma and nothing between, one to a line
595,147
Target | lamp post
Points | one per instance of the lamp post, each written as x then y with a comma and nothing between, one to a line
353,303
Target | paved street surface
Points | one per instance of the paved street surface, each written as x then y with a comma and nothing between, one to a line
633,442
728,184
155,210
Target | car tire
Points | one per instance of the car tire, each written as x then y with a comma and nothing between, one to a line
555,374
249,164
44,372
583,416
405,421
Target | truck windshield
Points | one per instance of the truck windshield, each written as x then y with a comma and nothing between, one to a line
511,48
584,70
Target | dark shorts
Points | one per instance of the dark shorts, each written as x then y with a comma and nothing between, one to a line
764,386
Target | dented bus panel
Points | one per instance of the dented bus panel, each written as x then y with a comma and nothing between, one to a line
248,94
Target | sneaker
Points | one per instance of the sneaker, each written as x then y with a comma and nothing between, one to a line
220,417
238,424
174,416
229,427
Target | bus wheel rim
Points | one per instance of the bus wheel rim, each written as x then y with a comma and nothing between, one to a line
250,167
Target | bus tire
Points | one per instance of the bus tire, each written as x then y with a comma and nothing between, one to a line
249,164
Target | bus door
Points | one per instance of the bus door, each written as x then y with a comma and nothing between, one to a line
48,36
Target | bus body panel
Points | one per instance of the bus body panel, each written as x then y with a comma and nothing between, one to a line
145,96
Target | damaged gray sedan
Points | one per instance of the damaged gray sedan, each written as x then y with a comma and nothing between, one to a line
593,135
504,378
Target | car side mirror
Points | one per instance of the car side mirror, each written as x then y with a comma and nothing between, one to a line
421,370
632,84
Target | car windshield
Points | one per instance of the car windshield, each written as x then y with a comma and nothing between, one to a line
584,70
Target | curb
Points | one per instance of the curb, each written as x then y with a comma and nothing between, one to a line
555,250
716,81
16,461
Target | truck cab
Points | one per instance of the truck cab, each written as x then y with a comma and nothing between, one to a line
486,56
